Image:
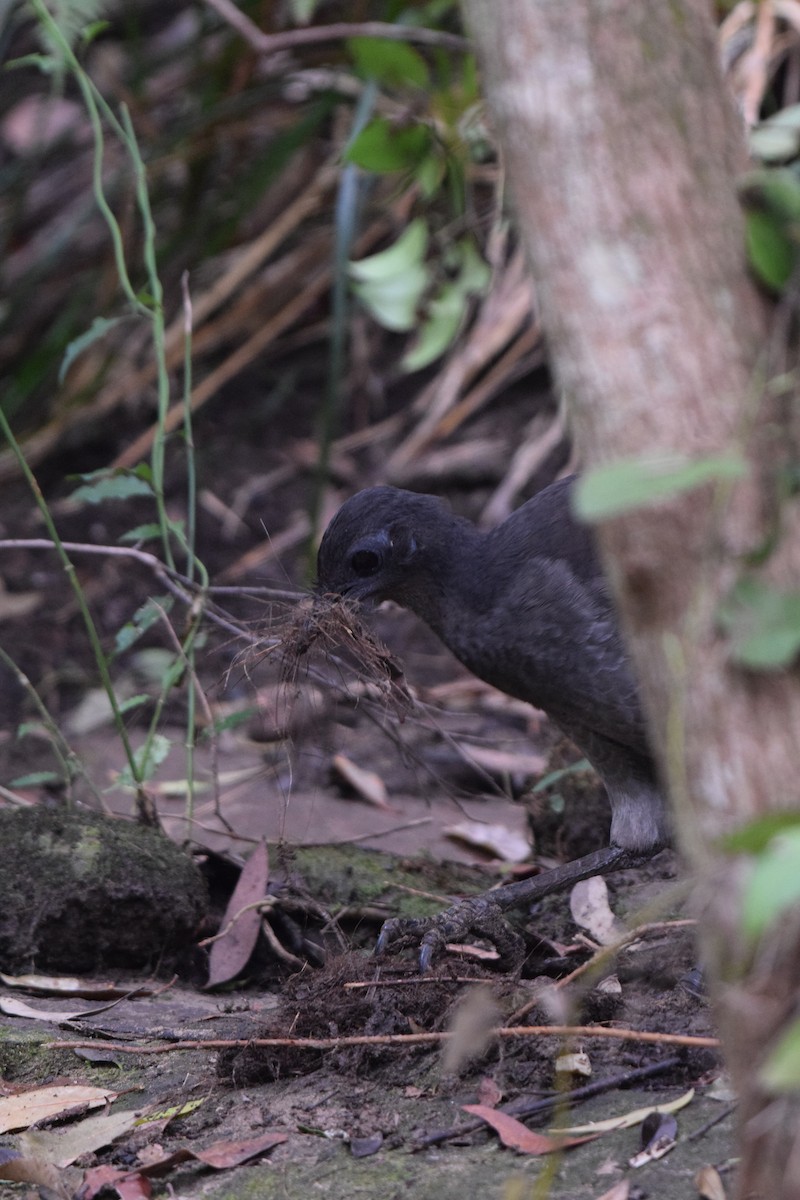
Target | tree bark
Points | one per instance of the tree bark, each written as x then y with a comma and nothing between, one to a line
622,150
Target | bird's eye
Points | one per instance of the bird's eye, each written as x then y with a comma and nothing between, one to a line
365,562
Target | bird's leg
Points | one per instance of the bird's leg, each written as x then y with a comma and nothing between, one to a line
483,915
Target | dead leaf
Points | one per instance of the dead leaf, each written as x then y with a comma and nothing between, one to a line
574,1064
242,922
69,985
129,1185
629,1119
19,1169
62,1146
220,1156
500,841
504,762
14,605
709,1184
516,1136
18,1008
38,1104
367,784
620,1191
489,1094
590,909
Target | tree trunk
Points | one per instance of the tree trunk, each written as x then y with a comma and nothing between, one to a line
622,150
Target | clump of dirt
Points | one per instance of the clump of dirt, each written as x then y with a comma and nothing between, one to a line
344,999
79,890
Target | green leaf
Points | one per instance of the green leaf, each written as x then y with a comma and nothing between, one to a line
755,836
142,620
302,11
554,776
774,884
147,759
409,248
33,729
390,63
141,533
781,1071
382,147
114,485
445,313
35,778
774,143
771,252
391,283
134,702
763,623
447,309
634,483
429,174
98,329
232,721
93,30
775,191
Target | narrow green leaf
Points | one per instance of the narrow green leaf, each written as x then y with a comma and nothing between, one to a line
141,533
36,778
98,329
134,702
634,483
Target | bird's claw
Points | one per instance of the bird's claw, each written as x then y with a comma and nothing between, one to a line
478,916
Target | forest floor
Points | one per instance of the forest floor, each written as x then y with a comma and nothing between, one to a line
382,1117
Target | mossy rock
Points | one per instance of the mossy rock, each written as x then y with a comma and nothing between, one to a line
79,891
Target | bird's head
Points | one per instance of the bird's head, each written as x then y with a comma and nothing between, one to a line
373,548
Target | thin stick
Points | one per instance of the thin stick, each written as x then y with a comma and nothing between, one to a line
403,1039
271,43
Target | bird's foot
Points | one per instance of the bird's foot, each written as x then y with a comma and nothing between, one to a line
483,915
478,916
